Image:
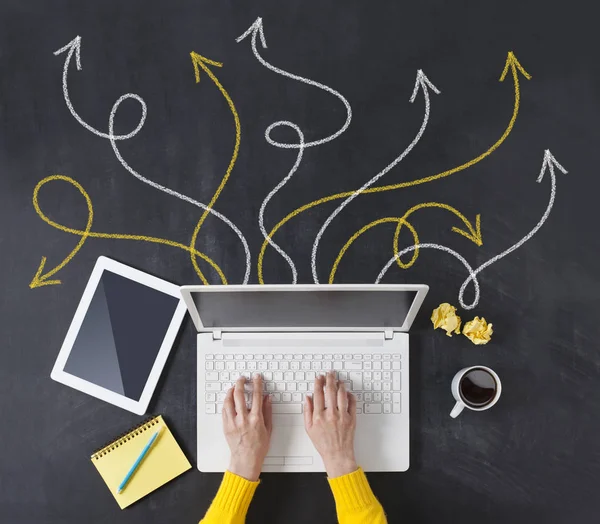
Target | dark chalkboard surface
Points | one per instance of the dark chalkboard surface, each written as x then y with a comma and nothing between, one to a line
533,457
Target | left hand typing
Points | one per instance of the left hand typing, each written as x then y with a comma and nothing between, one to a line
248,432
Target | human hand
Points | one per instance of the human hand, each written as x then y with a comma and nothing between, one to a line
248,432
331,429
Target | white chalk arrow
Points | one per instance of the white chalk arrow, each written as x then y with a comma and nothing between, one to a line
256,31
284,181
549,164
438,247
421,83
168,191
74,48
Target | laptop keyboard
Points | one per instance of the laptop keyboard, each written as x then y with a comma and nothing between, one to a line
373,378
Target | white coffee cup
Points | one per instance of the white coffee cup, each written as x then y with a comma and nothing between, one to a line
466,382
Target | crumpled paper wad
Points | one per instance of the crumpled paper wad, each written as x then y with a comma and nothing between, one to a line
478,331
444,317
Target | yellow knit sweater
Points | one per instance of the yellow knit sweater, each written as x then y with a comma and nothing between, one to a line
354,500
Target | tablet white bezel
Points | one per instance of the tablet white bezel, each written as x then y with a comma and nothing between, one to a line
58,374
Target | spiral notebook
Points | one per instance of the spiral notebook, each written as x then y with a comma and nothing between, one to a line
163,463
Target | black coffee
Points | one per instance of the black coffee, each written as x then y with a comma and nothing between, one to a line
477,388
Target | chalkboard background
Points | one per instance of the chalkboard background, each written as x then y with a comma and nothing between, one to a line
535,456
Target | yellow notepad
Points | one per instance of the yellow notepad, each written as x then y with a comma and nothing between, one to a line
162,463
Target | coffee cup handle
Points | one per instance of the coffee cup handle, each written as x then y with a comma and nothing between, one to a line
457,409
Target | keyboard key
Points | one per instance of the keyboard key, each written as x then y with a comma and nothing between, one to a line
347,356
377,356
305,365
210,409
292,386
377,366
337,356
209,356
270,386
377,386
387,408
262,366
338,364
268,357
219,357
318,356
368,386
246,374
368,366
210,397
357,357
327,366
259,357
357,381
295,365
377,375
397,356
376,397
289,356
273,365
308,357
284,365
226,386
396,383
230,365
387,386
228,357
212,386
239,357
368,397
297,397
267,375
303,386
387,375
368,356
278,357
211,376
359,397
316,365
279,409
219,409
328,356
387,356
219,365
367,375
224,376
372,408
387,365
297,357
310,375
387,397
299,376
221,396
353,365
209,365
240,365
252,366
280,386
286,397
249,356
276,397
396,408
396,364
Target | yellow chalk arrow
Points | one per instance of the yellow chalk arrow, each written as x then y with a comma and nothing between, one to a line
201,62
511,63
473,234
41,279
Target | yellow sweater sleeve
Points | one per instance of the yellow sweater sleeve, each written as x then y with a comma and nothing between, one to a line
354,500
231,502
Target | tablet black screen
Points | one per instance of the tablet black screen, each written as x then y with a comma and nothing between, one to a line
121,335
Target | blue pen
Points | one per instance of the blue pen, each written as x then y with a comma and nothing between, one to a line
137,462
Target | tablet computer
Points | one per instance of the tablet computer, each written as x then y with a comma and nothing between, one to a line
120,336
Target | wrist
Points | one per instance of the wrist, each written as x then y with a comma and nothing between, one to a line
247,469
339,466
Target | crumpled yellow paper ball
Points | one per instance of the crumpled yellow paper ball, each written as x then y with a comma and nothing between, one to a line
444,317
478,331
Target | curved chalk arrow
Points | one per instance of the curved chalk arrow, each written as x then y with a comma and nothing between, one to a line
257,31
263,206
511,63
74,48
41,279
201,62
549,164
422,82
474,234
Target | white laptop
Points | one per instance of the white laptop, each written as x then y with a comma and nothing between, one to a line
290,333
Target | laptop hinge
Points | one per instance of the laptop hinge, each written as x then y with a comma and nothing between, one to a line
217,334
389,335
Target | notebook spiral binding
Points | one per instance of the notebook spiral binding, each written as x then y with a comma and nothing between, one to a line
125,437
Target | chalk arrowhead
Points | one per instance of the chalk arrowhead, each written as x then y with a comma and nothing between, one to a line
201,62
548,164
424,83
40,280
515,65
474,233
255,29
73,46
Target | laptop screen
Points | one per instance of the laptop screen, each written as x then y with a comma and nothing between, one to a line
335,309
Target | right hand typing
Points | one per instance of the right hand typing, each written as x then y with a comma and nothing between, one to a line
331,429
